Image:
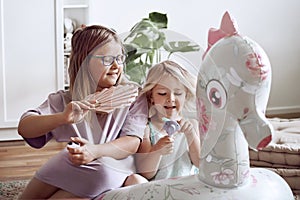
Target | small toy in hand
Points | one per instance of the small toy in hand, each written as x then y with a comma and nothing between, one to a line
170,126
73,145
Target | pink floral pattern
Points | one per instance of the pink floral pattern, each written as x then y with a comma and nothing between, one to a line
256,66
202,116
223,177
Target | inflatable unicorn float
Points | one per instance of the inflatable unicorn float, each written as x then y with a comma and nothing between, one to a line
232,93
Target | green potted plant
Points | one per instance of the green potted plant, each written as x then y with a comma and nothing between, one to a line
145,43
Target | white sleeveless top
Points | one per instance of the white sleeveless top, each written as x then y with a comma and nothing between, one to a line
176,164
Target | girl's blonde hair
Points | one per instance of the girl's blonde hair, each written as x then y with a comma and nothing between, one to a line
171,68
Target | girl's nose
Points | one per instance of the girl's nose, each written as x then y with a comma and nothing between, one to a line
114,64
171,98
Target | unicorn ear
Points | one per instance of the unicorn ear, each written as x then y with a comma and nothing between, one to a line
228,24
228,27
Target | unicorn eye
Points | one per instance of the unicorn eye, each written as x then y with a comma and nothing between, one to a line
216,94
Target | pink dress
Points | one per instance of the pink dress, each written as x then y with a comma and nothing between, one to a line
103,174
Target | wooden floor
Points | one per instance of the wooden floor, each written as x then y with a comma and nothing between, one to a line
19,161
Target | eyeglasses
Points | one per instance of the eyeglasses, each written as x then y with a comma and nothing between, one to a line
109,60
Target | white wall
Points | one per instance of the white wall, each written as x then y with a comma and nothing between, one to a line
275,25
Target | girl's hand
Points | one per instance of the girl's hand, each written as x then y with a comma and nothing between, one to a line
76,110
187,127
83,154
165,145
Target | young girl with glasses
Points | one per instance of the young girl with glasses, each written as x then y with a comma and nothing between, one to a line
99,113
170,92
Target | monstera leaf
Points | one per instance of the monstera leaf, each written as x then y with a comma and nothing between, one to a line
144,44
181,46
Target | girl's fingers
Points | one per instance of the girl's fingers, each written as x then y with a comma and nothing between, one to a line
186,126
79,140
80,106
76,159
75,106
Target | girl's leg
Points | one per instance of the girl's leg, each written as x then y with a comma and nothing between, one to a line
37,189
62,194
134,179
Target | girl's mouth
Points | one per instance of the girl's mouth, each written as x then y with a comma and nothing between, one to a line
170,107
112,73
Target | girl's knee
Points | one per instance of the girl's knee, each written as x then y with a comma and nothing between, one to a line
134,179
